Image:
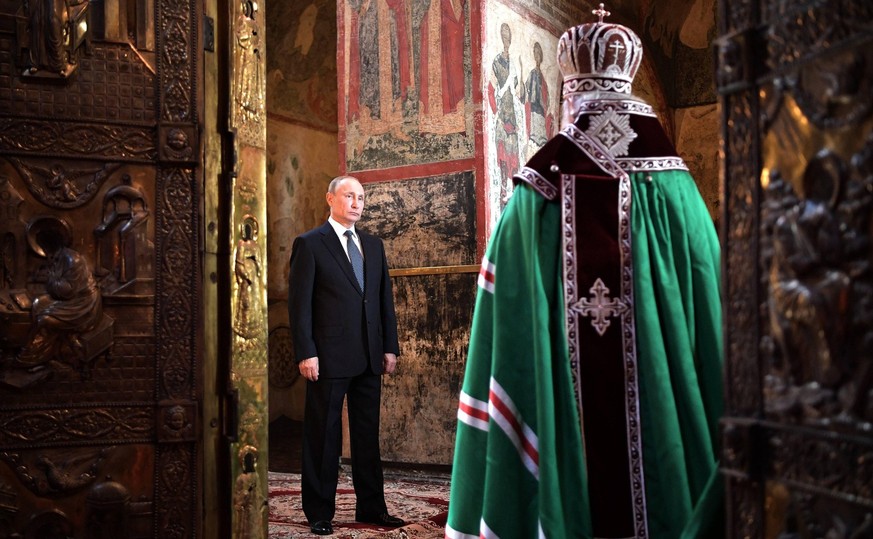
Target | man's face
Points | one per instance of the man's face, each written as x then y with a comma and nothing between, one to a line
347,203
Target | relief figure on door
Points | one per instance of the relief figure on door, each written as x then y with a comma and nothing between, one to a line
820,303
50,34
65,323
248,271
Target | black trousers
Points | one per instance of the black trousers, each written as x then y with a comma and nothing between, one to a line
322,445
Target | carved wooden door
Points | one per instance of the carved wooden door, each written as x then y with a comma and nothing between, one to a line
794,79
101,241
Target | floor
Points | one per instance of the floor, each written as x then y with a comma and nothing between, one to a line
418,495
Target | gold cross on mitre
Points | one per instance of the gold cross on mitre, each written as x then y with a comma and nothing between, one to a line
600,12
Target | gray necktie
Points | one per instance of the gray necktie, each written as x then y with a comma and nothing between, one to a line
355,257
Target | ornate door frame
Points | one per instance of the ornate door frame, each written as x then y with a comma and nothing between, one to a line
178,316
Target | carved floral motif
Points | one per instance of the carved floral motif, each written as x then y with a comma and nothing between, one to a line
74,424
97,141
57,473
64,185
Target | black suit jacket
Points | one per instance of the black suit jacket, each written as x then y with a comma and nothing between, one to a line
330,316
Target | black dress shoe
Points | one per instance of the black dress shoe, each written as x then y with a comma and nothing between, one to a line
384,520
322,527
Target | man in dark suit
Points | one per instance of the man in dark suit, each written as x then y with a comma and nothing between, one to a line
345,337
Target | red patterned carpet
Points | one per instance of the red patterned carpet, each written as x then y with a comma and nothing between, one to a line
422,502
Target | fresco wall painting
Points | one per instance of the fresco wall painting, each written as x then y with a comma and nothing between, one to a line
522,90
677,37
301,64
406,82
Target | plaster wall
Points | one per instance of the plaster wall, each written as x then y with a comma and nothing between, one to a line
301,160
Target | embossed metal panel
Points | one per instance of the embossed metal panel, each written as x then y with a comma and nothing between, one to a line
100,390
794,79
247,378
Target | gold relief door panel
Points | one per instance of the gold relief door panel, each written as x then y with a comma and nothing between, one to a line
99,271
798,155
247,379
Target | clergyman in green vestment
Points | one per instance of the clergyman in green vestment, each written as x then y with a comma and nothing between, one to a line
593,385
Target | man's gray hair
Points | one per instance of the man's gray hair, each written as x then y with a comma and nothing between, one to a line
331,188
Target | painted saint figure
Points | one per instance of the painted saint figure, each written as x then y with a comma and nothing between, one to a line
535,96
380,69
505,84
441,91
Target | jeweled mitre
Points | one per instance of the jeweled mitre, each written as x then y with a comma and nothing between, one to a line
599,56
